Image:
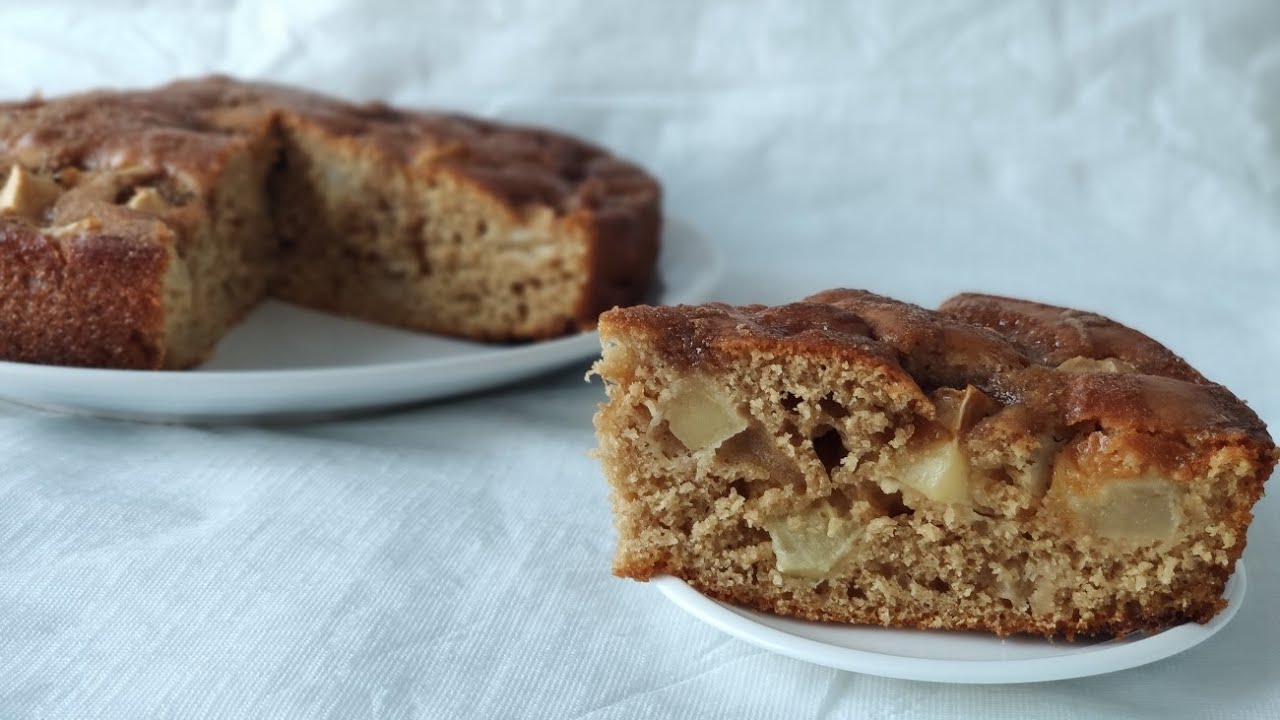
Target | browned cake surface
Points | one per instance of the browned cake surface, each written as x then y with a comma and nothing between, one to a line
996,464
135,227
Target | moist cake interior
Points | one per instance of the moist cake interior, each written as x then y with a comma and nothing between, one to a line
367,238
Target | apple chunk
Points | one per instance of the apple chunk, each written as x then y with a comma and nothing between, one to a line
26,194
940,472
1142,509
701,418
810,543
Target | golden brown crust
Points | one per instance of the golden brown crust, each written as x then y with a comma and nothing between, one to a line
1011,350
89,300
621,213
686,334
182,137
1050,335
191,126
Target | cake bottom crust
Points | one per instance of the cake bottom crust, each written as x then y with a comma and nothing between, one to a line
1202,610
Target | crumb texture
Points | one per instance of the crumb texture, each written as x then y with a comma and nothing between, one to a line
995,464
137,227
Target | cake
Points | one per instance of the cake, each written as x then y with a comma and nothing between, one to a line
137,227
996,464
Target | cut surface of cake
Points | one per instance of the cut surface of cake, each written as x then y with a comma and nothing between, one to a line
137,227
996,464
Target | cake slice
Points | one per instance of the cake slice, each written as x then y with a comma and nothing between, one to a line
996,464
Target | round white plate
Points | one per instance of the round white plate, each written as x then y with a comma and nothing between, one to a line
938,656
289,361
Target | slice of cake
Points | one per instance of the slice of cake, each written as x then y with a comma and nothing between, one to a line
137,227
996,464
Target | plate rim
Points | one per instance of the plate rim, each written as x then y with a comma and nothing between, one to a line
737,622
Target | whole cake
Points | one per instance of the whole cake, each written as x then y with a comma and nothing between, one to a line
137,227
996,464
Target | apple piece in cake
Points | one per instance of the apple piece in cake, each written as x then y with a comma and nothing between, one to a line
996,464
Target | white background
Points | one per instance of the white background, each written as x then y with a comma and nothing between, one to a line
453,560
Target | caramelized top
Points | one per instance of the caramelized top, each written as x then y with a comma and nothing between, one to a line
188,130
1069,367
1051,335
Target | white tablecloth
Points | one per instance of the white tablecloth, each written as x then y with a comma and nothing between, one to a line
452,560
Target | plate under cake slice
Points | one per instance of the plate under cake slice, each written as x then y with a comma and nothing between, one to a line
996,464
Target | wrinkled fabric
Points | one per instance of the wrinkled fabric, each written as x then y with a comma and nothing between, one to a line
452,560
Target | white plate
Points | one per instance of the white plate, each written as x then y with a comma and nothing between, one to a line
288,361
937,656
